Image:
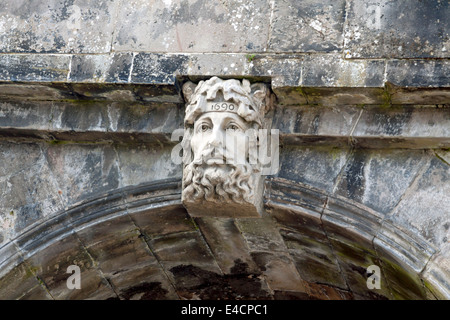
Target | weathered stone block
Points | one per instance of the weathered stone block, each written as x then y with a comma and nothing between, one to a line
82,26
261,234
25,115
34,91
279,271
313,257
384,29
402,259
227,244
425,207
284,70
13,153
51,267
297,209
114,68
141,163
115,242
157,68
288,196
412,127
354,260
27,193
196,283
79,118
411,95
21,283
118,242
318,167
318,125
141,118
325,292
215,64
143,282
332,96
379,178
350,221
287,95
333,71
32,196
418,81
418,73
34,67
81,170
307,26
227,26
164,221
437,273
183,249
281,70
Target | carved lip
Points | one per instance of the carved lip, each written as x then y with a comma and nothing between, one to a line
214,156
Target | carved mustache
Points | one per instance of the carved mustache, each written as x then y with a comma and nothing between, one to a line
212,154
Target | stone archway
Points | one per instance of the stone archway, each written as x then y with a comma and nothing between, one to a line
138,242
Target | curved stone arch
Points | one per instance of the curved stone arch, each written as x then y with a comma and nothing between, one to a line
148,223
358,237
63,237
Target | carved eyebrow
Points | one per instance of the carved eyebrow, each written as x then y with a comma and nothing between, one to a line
203,120
242,124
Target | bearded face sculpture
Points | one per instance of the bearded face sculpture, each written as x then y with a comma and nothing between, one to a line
221,174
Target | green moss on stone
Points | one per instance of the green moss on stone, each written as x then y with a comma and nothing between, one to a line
442,159
250,57
402,282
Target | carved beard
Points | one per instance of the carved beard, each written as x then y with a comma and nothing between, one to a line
218,183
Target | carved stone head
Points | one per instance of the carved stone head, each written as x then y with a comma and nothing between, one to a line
221,174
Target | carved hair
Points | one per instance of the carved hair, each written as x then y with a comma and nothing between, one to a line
252,100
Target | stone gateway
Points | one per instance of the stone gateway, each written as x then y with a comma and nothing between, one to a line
314,160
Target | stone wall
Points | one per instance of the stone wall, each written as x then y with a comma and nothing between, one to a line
90,94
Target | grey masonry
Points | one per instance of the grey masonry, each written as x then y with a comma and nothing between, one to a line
91,92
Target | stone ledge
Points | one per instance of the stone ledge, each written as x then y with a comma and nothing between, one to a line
410,127
296,78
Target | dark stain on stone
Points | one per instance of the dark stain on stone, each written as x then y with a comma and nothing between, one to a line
189,12
59,43
157,68
354,180
314,125
239,267
149,291
63,13
298,122
27,215
362,271
376,296
120,68
290,295
192,281
392,124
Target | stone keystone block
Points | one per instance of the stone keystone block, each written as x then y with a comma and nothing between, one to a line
223,172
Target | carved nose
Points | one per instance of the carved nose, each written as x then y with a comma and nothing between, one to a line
216,138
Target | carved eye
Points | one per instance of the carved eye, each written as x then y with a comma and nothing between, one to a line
204,127
232,127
